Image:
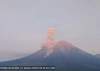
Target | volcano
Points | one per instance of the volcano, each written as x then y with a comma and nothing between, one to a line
63,55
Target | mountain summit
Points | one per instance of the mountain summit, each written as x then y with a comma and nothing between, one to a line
63,55
60,45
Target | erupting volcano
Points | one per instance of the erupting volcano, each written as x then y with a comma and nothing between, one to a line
61,54
50,42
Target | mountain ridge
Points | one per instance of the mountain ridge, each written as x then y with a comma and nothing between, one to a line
64,56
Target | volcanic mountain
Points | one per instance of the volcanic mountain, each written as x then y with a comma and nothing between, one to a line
63,55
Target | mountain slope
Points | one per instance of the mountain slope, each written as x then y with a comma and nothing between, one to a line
63,55
97,55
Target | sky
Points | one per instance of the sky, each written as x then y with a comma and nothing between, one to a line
24,25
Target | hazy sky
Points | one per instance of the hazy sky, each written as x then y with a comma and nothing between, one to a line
24,24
